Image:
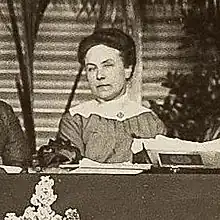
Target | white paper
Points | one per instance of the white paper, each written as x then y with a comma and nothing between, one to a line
209,151
105,171
92,167
87,163
11,169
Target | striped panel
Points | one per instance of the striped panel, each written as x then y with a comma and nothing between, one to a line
161,40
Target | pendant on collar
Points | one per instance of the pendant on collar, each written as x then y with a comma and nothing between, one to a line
120,115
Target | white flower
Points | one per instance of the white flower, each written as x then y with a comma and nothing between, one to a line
45,213
42,200
57,217
30,213
44,192
11,216
72,214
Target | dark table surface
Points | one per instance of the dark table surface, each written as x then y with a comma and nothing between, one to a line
136,197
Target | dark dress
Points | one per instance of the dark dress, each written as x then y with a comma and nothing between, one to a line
103,137
13,147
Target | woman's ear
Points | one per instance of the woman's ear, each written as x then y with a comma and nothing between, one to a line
128,72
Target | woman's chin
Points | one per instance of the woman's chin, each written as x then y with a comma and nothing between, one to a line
105,96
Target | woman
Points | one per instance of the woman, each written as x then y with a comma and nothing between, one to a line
103,129
13,148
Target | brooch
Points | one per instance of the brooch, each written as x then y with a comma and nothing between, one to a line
120,115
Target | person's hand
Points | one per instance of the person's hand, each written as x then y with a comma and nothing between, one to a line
58,152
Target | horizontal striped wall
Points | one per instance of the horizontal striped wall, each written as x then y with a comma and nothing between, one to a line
56,66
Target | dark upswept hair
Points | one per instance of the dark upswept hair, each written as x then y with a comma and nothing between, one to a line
110,37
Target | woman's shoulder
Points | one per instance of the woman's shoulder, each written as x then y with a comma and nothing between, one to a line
7,114
145,114
4,104
76,114
83,109
5,108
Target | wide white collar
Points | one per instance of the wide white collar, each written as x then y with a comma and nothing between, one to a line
120,109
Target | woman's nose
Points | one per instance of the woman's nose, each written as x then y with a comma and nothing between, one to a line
100,75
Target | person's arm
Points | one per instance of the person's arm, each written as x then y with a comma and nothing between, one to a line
16,151
71,128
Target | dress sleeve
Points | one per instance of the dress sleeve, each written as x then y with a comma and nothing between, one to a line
151,125
16,150
160,128
70,128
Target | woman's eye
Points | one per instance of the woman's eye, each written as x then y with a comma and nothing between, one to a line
90,69
108,65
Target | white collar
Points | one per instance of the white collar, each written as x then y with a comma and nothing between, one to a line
120,109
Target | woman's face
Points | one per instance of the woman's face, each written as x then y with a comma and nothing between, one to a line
106,73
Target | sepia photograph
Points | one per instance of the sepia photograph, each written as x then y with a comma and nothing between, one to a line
109,109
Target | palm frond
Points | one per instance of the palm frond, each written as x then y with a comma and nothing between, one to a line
86,4
24,90
102,13
41,8
29,14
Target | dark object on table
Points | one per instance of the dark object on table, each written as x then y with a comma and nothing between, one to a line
2,170
141,157
57,152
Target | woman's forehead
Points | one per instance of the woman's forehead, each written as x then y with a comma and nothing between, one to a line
100,53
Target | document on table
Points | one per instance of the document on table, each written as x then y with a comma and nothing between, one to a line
92,167
209,151
11,169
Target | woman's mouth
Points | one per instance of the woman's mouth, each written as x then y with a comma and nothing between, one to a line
103,86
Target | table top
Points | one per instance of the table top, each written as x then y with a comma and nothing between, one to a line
142,196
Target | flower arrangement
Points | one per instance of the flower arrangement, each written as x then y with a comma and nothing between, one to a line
42,200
